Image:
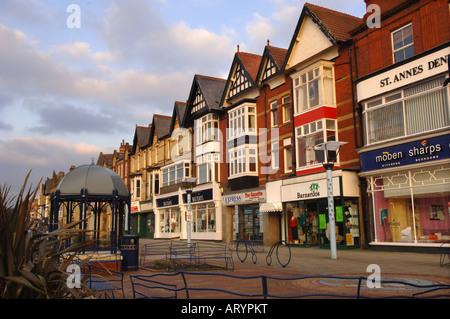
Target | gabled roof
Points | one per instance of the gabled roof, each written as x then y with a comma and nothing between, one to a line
339,24
104,159
274,54
160,127
335,25
249,64
179,109
141,137
211,90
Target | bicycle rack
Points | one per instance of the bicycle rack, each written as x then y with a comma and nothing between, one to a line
275,248
247,246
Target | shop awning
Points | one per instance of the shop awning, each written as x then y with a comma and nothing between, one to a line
271,207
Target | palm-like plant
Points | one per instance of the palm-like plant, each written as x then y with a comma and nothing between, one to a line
33,262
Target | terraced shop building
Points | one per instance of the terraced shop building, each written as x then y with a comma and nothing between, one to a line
403,94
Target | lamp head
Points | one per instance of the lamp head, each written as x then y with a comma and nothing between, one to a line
326,153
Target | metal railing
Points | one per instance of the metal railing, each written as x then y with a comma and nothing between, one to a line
189,285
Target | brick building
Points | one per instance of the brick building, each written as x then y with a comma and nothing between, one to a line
403,99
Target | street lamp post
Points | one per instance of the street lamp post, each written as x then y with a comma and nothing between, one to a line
188,184
330,151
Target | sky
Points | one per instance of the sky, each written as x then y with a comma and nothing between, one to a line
76,80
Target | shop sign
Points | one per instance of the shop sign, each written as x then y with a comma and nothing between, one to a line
420,151
419,69
308,190
148,206
167,201
134,207
257,196
200,196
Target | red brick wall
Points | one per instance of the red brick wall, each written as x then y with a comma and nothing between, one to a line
344,107
285,130
430,20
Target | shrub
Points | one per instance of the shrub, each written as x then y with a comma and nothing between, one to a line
33,262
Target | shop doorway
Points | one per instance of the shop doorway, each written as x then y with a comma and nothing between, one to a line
147,225
250,223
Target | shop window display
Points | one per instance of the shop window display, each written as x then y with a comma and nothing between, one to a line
170,220
204,216
412,206
307,222
302,223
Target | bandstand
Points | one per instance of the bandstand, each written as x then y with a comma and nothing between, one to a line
99,198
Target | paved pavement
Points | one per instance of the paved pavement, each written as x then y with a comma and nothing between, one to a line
416,268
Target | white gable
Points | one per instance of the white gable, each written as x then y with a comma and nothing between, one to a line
310,41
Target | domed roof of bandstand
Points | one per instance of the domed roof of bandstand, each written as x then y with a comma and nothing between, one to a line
97,180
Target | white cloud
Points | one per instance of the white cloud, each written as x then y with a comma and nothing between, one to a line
20,155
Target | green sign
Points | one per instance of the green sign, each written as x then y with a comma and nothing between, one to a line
322,221
339,214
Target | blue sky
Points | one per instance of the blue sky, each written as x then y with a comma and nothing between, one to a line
66,94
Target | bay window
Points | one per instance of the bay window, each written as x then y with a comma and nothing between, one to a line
310,135
242,121
242,161
174,173
314,87
207,128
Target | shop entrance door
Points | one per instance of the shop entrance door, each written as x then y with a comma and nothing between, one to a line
251,229
147,225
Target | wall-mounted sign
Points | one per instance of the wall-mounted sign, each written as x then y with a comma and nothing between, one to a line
200,196
256,196
420,151
420,68
167,201
309,190
134,207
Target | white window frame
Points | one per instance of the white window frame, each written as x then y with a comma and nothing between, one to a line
275,155
273,113
382,103
240,161
287,145
403,48
309,130
323,73
239,120
207,129
286,108
173,173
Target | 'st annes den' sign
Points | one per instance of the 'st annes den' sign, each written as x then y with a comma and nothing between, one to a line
416,70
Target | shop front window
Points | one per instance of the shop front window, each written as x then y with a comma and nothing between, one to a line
412,206
204,217
307,222
302,223
170,220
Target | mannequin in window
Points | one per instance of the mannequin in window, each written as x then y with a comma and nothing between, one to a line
293,225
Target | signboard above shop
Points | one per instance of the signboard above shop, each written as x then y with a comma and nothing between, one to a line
419,151
255,196
309,190
423,66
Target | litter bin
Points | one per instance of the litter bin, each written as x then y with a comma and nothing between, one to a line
130,252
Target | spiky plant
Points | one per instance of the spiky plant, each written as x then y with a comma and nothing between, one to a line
33,262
